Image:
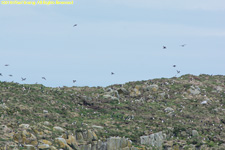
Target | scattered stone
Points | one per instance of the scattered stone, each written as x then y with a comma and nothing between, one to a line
219,88
162,95
135,92
204,102
29,147
4,107
71,141
123,91
61,142
43,146
194,90
113,143
45,142
153,87
25,137
169,109
110,97
45,111
98,127
59,129
47,123
24,126
195,133
155,140
79,137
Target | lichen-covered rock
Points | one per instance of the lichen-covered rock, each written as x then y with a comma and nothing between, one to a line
46,123
169,109
194,133
6,133
45,142
29,147
58,129
194,90
118,143
123,143
155,140
204,147
53,148
71,141
85,147
25,137
134,148
91,136
123,91
101,145
136,91
79,137
153,87
189,147
97,127
113,143
24,126
61,142
4,107
129,143
162,95
43,146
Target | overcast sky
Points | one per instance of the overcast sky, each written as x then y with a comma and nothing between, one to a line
121,36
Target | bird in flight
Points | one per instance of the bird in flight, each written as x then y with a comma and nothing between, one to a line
164,47
112,73
23,79
174,65
10,75
182,45
6,65
0,74
43,78
75,25
74,81
178,71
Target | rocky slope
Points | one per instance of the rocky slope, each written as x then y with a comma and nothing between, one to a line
177,113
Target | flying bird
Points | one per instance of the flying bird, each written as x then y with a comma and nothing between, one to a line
0,74
182,45
178,71
74,81
23,79
174,65
112,73
75,25
43,78
10,75
6,64
164,47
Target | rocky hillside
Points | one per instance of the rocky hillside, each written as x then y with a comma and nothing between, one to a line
177,113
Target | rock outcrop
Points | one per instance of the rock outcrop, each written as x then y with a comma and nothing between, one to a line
155,140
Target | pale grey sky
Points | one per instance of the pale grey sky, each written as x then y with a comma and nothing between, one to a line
121,36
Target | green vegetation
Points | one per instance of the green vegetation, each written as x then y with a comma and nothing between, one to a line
138,111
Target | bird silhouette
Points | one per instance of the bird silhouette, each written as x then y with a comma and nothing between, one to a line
75,25
174,65
182,45
10,75
164,47
23,79
178,71
6,65
74,81
0,74
43,78
112,73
